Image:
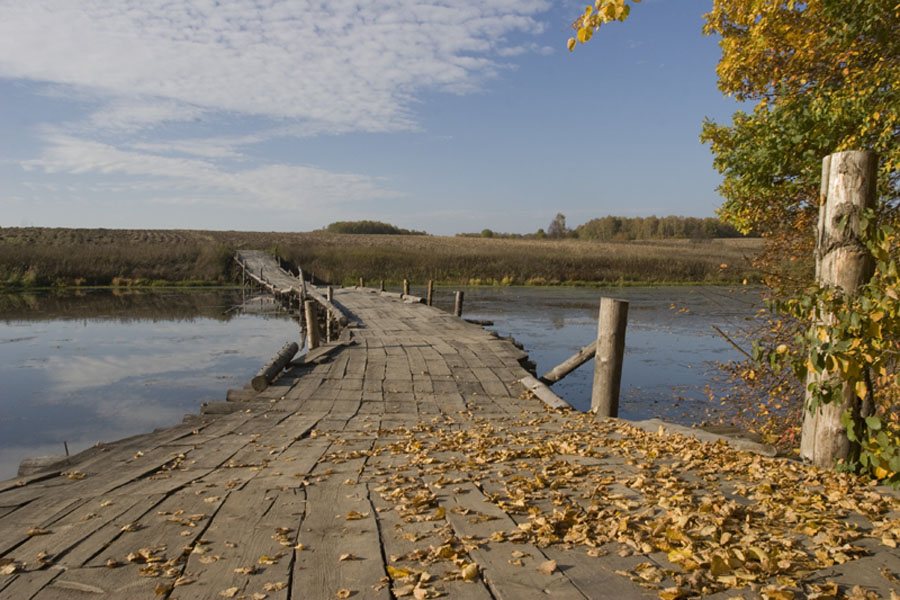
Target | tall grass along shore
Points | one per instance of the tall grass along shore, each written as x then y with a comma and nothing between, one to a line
48,257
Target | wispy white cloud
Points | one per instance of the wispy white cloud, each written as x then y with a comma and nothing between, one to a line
276,186
153,83
340,65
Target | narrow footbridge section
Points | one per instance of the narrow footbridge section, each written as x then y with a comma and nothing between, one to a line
406,460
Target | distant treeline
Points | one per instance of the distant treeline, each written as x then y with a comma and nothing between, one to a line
376,227
607,229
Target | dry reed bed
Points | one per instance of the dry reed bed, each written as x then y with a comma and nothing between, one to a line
45,256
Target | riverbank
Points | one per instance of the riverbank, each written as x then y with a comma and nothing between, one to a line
46,257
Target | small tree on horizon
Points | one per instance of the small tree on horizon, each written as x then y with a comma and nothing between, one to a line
557,228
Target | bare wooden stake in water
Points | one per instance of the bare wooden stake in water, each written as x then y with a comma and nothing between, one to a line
457,306
842,261
406,287
611,324
430,292
313,336
362,282
381,285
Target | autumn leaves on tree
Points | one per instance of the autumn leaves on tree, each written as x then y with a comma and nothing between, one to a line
824,77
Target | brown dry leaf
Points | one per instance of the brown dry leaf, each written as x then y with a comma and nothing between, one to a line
275,586
164,588
33,531
406,590
773,593
355,516
248,570
184,581
299,546
229,593
268,560
9,568
347,556
888,575
547,567
398,572
343,593
258,596
673,593
131,527
469,572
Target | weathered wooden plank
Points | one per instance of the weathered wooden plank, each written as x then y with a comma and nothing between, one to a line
470,515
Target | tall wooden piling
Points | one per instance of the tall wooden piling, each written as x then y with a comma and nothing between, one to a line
429,292
313,336
406,287
611,324
362,282
381,285
842,261
458,305
329,318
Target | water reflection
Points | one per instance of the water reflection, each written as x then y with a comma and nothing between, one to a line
99,366
670,346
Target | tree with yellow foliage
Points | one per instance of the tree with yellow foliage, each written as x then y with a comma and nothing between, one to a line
824,76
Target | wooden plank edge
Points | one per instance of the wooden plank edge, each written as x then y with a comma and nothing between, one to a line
543,393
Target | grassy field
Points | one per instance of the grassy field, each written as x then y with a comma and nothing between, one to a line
32,257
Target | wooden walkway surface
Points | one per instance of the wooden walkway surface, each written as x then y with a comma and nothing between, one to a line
410,464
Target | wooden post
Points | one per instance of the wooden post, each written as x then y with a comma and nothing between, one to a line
362,282
329,295
611,323
429,293
312,326
406,287
271,369
457,306
842,261
381,285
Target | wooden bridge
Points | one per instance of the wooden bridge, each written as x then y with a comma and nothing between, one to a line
407,460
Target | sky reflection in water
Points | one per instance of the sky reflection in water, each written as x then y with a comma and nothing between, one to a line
88,369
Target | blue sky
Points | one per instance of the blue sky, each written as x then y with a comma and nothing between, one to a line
285,116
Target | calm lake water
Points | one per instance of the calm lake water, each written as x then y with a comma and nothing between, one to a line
100,366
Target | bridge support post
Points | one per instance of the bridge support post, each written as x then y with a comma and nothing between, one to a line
313,337
329,295
608,356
